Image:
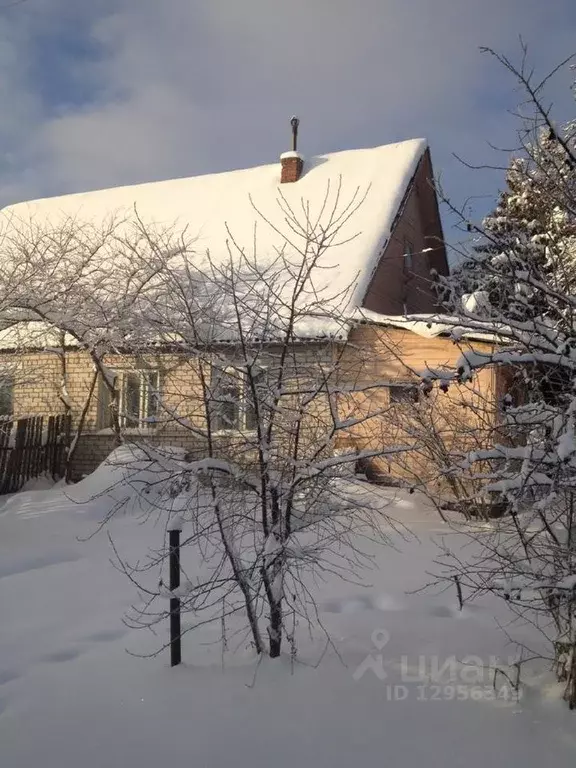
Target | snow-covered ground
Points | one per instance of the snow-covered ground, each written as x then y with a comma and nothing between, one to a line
71,696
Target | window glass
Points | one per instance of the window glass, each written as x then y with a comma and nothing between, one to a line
138,393
225,400
131,398
232,402
404,393
249,409
152,405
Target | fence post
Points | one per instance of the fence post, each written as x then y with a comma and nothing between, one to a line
175,625
15,462
49,447
25,451
6,426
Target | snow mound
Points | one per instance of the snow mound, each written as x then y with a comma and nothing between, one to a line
132,479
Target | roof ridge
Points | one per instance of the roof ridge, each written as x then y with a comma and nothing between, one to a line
140,184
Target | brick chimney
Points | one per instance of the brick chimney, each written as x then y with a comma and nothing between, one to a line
292,162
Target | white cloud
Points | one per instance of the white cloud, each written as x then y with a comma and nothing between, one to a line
187,87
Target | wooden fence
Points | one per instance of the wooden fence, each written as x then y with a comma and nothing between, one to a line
31,446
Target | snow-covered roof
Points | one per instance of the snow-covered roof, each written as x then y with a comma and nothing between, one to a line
38,334
212,206
34,334
41,335
431,325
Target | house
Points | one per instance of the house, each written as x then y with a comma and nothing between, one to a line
377,210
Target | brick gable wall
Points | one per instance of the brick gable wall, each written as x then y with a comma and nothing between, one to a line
394,286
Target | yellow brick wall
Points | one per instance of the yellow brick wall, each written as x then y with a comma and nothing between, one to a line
462,418
36,382
372,354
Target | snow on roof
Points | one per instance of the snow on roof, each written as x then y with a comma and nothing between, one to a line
34,334
211,205
431,325
37,334
40,335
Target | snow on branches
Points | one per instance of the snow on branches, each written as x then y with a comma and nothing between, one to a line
520,275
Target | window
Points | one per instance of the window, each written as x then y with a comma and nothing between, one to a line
6,395
138,392
404,393
137,399
555,383
408,255
510,386
231,401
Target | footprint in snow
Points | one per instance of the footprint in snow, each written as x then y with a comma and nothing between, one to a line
105,635
382,602
69,654
66,654
23,565
7,675
454,612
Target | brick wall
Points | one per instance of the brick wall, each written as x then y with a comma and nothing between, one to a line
463,417
373,354
394,283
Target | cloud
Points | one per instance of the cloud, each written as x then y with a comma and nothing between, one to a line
180,87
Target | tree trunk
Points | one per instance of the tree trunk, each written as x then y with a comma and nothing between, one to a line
80,427
275,629
570,691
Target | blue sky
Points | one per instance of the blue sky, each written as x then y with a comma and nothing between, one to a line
120,91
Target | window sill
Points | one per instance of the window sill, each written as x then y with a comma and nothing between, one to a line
237,432
128,431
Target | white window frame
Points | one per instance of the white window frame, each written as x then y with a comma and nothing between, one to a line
149,382
148,385
241,425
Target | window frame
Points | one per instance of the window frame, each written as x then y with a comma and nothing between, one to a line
147,396
242,405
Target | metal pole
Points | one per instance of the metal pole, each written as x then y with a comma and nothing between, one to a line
459,591
294,122
175,627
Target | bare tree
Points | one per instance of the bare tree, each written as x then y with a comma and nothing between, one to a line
69,287
269,393
519,280
442,429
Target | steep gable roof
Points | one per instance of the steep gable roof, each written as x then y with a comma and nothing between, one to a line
216,205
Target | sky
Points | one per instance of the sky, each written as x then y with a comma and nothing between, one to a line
108,92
